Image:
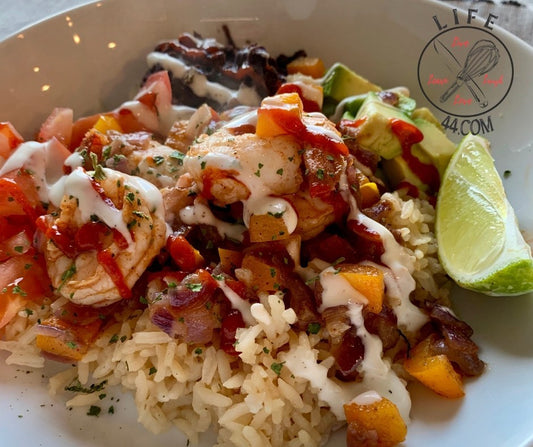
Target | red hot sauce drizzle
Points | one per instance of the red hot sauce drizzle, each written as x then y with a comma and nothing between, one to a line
408,134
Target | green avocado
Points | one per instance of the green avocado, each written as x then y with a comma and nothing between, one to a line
435,148
374,132
426,114
397,171
339,83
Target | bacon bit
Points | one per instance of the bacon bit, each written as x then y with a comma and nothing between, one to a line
230,323
107,261
363,231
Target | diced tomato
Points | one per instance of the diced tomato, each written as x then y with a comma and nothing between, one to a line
22,278
59,125
17,244
19,196
156,91
9,140
80,127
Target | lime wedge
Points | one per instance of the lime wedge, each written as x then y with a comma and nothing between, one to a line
480,245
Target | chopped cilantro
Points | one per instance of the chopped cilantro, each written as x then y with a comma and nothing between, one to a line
94,410
320,174
18,291
176,155
276,367
313,328
130,197
152,371
194,287
113,339
198,351
19,248
279,171
158,159
76,387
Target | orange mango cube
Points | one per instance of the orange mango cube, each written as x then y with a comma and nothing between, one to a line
275,111
367,280
434,371
380,419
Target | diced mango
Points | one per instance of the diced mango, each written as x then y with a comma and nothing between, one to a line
266,227
69,342
264,277
369,194
68,350
276,111
310,66
369,281
380,419
229,259
107,122
434,371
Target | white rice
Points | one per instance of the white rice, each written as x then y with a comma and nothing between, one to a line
197,388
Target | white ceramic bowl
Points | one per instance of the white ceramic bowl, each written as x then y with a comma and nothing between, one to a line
92,58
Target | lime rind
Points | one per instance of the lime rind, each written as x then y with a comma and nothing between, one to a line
479,242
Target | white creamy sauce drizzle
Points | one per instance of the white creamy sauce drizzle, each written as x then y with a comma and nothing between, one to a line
376,372
242,305
337,290
378,379
275,206
43,160
78,185
259,202
398,279
302,362
200,213
199,83
46,164
161,121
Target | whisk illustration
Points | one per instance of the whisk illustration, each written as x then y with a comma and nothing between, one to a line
482,58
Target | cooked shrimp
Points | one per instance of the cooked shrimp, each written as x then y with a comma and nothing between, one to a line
229,168
109,229
140,155
314,215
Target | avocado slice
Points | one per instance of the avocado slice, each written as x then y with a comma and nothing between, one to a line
426,114
398,171
339,83
435,148
374,132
